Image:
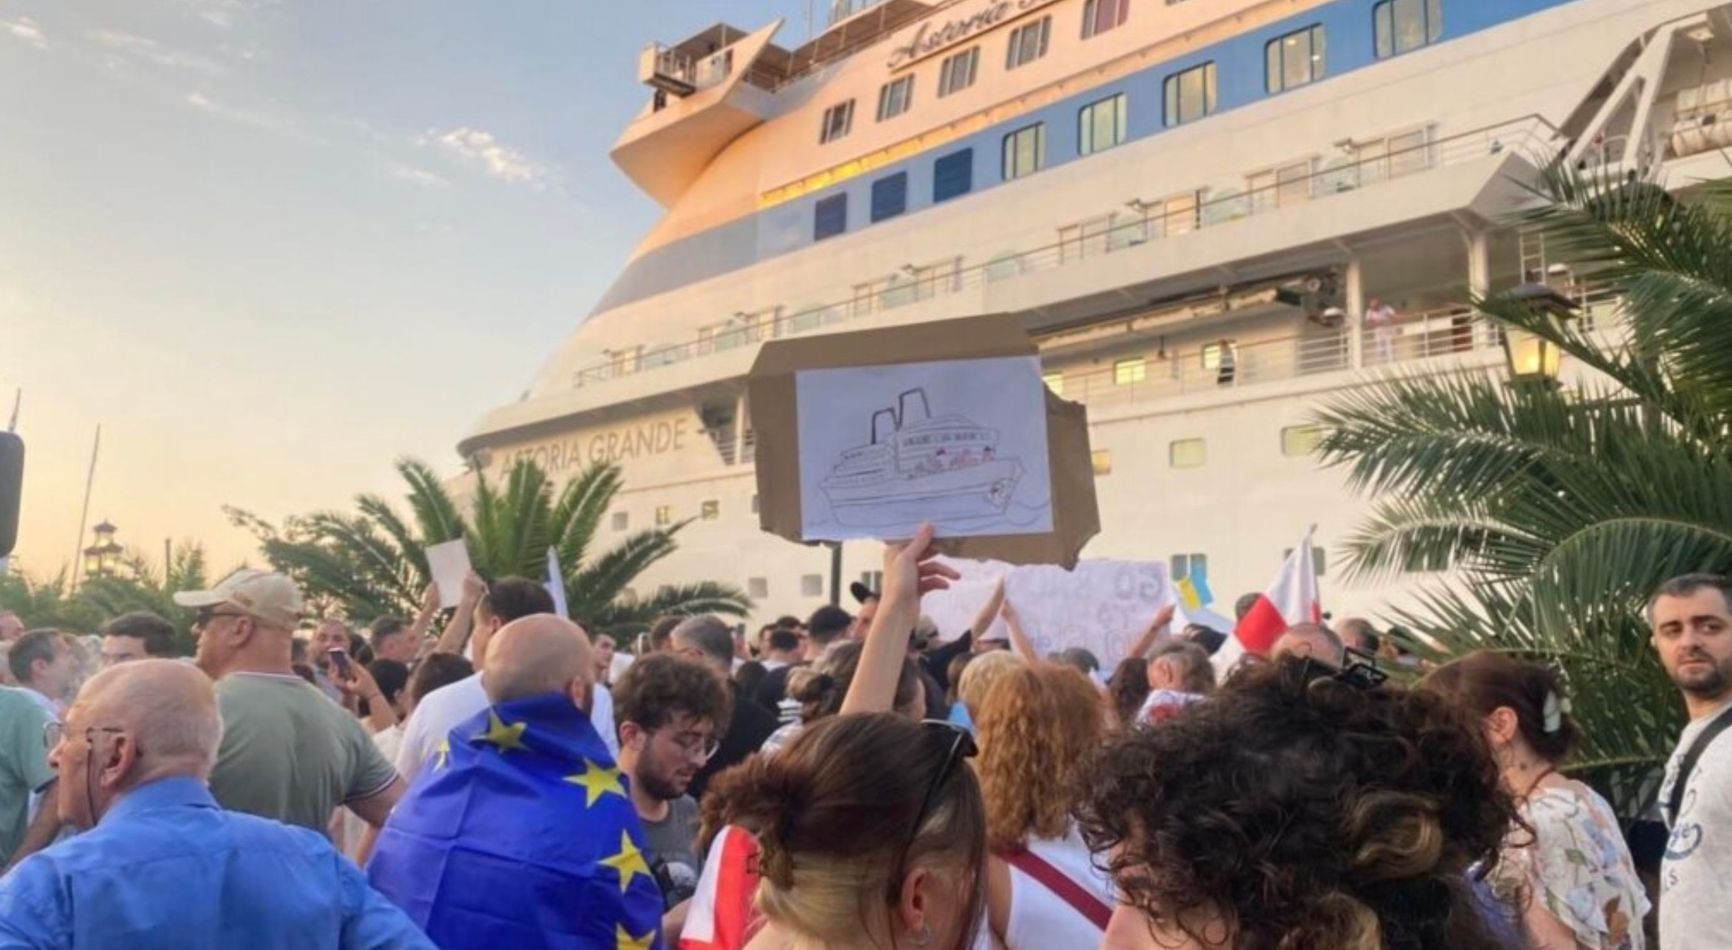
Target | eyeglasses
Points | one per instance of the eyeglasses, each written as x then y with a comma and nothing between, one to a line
54,730
698,747
204,617
961,746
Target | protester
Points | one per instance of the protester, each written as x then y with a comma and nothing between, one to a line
159,864
710,641
44,667
1243,605
287,753
828,625
1179,674
136,635
955,711
1691,617
669,711
26,781
506,600
985,670
1039,728
748,676
1565,871
330,635
605,647
871,829
392,640
1310,640
11,626
1298,809
520,833
435,670
821,690
1080,659
660,633
1357,633
1127,688
782,647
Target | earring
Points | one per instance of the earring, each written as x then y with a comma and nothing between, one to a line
924,937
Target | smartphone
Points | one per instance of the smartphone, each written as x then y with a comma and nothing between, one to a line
340,660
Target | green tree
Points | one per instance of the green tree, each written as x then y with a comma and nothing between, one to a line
374,561
47,603
135,585
1559,510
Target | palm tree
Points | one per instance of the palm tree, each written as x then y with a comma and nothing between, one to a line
374,562
1559,511
138,586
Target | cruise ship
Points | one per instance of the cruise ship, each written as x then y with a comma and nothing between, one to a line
1211,215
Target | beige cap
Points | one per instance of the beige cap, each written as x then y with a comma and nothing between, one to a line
270,597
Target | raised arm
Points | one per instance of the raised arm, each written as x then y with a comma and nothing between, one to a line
909,572
988,614
424,618
456,632
1019,640
1157,631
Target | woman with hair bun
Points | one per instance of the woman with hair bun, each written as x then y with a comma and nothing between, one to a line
1566,872
1298,809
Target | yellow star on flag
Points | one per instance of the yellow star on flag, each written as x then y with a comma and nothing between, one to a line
443,753
628,862
628,942
597,782
503,735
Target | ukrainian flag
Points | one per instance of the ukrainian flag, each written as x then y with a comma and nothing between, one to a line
1194,593
519,835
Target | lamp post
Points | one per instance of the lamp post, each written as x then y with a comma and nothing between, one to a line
103,556
1531,359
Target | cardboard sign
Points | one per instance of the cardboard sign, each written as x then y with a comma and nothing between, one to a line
773,391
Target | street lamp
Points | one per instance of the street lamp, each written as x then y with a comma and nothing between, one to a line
1532,359
103,556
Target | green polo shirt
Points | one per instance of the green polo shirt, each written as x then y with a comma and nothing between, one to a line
23,764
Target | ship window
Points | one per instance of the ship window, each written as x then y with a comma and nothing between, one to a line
1300,440
953,175
664,516
1189,566
1404,25
1102,460
838,119
1294,60
621,520
1101,125
1025,151
895,97
830,217
757,588
1190,94
874,580
889,196
811,585
1407,153
1027,43
1187,453
1212,352
957,72
1100,16
1133,369
1054,382
710,510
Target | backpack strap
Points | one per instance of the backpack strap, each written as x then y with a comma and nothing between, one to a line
1688,765
1091,907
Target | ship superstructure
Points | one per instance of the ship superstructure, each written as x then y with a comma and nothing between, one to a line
1210,215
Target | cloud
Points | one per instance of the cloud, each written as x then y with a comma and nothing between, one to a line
25,30
481,148
248,117
145,49
419,177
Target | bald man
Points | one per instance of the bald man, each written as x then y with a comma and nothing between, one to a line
1310,640
518,832
160,862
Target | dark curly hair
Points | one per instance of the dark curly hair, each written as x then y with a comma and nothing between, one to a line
658,686
1306,813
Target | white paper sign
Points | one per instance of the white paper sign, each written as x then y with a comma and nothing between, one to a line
1102,606
556,584
960,443
449,564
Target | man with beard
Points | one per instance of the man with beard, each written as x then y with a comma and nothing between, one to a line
1691,618
669,710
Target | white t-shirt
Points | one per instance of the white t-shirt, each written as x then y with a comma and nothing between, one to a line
1039,917
447,707
1696,899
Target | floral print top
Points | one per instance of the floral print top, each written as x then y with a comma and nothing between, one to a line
1575,865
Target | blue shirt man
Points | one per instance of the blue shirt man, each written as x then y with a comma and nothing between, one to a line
162,866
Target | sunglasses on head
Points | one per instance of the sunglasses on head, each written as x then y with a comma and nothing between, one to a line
959,745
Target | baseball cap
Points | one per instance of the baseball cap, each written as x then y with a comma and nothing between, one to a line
268,596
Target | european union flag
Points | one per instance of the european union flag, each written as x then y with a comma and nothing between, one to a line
519,834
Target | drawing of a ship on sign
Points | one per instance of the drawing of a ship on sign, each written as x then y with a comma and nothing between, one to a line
921,466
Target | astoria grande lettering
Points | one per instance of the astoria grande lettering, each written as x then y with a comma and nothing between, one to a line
928,39
655,438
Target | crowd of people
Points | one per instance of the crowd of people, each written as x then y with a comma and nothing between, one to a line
839,781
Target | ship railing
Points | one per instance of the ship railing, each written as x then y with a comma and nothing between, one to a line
1530,135
1438,332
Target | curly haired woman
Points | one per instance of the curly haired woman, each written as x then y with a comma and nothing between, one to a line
1038,727
1301,811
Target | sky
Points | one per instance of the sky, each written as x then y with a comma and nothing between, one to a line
272,246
